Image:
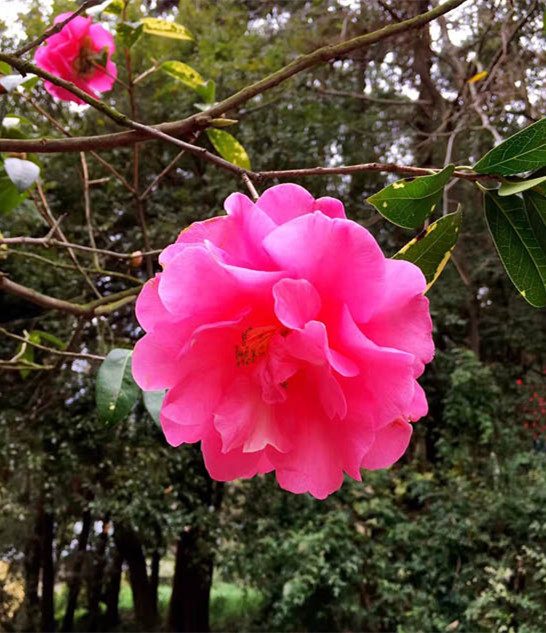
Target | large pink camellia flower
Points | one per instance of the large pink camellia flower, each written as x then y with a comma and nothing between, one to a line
76,54
287,342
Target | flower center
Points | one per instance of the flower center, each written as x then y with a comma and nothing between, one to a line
84,64
255,343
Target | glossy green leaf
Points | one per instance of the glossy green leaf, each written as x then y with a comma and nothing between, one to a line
510,188
9,194
116,390
153,401
535,205
522,152
408,203
183,73
128,34
166,28
229,147
22,173
517,245
432,248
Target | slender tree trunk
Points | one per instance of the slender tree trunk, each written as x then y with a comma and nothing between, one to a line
154,577
48,573
76,577
112,591
31,566
189,604
97,574
130,549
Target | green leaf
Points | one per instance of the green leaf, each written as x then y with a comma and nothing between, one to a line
510,188
408,203
115,7
184,73
116,390
432,248
165,28
5,69
517,245
22,173
153,401
9,195
207,91
535,205
524,151
229,147
50,338
128,34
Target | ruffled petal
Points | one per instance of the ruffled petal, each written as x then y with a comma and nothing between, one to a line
296,302
390,444
339,257
402,319
234,464
286,202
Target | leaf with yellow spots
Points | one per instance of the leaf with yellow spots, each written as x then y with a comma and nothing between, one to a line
432,248
166,28
183,73
116,390
408,203
229,147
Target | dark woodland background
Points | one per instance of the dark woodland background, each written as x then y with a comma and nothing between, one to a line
107,528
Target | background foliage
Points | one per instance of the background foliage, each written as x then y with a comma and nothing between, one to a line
104,526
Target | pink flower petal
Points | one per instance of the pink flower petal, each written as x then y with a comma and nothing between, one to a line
332,207
402,319
340,258
286,202
232,465
296,302
245,421
390,444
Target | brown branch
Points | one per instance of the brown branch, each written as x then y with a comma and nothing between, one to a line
374,167
94,308
365,97
47,242
55,28
197,121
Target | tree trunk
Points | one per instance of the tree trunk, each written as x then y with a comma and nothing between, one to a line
112,592
130,549
97,574
154,577
189,604
48,573
31,567
76,576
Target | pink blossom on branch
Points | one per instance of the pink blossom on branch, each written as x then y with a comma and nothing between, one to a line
287,342
77,53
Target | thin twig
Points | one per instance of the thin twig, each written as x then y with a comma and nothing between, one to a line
87,205
48,242
50,349
55,28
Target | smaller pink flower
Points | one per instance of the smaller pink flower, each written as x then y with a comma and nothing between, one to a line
75,54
